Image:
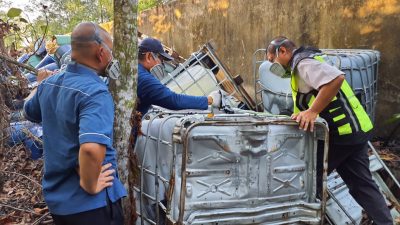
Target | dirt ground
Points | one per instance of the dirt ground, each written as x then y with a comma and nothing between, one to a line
21,200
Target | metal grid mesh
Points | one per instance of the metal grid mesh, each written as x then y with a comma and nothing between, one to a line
203,73
259,56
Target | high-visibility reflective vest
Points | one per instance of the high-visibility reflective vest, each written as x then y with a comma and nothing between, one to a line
347,120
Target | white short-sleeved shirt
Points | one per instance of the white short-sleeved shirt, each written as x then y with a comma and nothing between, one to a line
314,74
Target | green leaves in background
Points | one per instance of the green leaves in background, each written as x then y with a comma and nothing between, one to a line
43,28
14,12
23,20
147,4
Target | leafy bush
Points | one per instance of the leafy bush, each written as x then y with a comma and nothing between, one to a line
147,4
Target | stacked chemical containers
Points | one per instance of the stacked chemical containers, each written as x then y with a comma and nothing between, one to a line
208,167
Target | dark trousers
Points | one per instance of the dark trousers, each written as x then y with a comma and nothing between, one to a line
352,164
109,215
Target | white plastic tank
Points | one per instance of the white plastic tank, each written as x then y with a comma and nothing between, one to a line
195,80
276,91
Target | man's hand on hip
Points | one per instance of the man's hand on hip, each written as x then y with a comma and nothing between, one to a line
106,177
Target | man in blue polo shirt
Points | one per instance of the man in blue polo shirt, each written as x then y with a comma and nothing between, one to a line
80,185
152,92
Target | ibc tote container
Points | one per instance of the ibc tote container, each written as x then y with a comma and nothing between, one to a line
361,68
227,169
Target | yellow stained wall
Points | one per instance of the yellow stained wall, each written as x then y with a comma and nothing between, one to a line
239,27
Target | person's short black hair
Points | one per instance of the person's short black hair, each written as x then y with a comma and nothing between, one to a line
280,41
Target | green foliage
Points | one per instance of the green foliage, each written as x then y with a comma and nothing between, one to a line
13,29
64,15
58,17
147,4
14,12
23,20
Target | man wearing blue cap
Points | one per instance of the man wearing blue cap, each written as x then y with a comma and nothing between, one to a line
152,92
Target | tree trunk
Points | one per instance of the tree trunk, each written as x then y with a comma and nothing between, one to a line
124,93
2,45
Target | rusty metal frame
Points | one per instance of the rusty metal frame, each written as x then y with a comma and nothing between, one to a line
396,182
156,176
141,192
209,51
238,88
256,63
156,168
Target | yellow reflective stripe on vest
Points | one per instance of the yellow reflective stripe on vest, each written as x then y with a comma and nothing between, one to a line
294,93
319,58
294,87
358,109
342,116
311,101
345,129
333,110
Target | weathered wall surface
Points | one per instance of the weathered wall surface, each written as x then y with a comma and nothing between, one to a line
239,27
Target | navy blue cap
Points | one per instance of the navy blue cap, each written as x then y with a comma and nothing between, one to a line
153,45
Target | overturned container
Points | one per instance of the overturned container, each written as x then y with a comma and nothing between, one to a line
227,169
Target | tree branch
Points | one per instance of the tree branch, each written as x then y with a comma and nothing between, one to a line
13,61
22,175
15,208
38,221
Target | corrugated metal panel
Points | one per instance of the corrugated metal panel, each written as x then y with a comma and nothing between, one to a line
228,170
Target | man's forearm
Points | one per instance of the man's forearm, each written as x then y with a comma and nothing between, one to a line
91,157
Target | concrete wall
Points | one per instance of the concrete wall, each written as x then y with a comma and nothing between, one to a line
239,27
